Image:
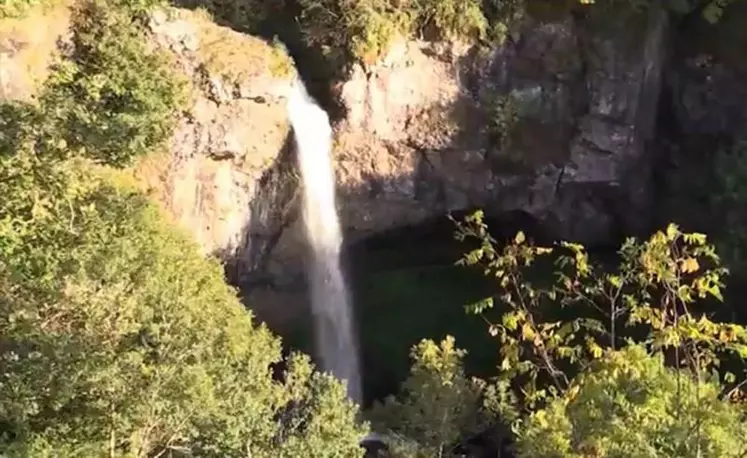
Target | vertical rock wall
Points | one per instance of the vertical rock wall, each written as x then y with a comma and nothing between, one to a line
228,175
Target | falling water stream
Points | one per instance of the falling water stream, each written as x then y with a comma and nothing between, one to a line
335,337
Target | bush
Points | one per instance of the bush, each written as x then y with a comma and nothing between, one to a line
628,405
364,30
17,123
437,406
118,338
244,16
16,8
555,334
657,294
453,19
345,29
113,99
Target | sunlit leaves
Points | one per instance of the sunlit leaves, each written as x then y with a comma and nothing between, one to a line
623,406
116,99
658,285
116,333
438,403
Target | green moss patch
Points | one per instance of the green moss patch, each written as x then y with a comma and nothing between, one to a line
237,56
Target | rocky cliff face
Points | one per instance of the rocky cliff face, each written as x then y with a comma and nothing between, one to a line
557,123
219,176
561,122
27,47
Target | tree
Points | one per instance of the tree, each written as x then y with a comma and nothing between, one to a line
437,406
652,308
112,99
623,407
117,338
657,294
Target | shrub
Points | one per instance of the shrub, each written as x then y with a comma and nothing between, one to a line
364,30
118,338
17,121
244,16
453,19
345,29
560,339
437,405
656,294
16,8
627,405
114,99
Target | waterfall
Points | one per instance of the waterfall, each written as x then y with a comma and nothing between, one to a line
336,341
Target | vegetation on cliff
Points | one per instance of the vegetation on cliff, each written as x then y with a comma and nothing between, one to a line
366,30
626,362
110,99
117,338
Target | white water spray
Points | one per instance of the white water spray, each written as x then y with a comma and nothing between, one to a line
335,337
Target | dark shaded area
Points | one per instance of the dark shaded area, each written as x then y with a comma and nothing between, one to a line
702,113
406,287
407,242
276,199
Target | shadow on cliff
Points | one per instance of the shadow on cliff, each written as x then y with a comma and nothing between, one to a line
273,206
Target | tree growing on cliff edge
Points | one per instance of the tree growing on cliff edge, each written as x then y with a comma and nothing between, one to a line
117,338
112,99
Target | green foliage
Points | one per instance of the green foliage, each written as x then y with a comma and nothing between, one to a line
113,99
244,16
581,395
438,403
627,405
117,338
359,29
365,30
502,115
17,121
16,8
657,291
453,19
